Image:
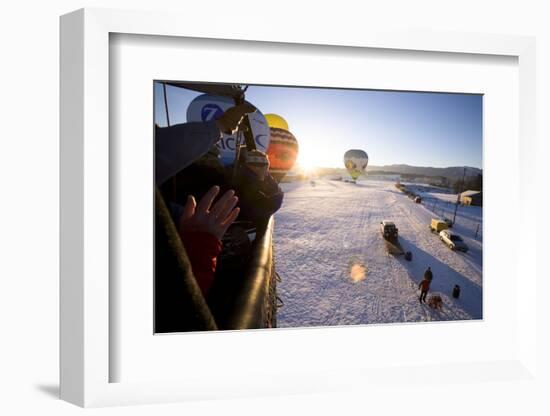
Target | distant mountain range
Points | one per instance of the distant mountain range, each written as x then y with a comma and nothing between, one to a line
454,172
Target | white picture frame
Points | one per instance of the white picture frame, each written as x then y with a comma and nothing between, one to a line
85,219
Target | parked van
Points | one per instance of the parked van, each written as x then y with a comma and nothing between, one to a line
438,225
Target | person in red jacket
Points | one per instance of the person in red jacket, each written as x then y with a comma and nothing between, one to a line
201,227
424,287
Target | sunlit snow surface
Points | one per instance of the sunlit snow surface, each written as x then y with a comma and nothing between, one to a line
335,269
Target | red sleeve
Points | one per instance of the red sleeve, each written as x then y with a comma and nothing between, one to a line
202,249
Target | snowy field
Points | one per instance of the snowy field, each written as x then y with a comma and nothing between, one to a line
335,269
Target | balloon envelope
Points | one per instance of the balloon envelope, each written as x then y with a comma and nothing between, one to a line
282,152
356,162
208,107
275,120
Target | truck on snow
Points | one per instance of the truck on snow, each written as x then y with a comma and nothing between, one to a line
388,230
390,234
437,225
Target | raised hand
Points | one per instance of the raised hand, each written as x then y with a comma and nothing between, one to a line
233,116
206,218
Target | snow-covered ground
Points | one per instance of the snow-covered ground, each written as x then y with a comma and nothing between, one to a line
468,221
335,269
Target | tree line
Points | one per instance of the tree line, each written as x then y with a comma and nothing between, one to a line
474,183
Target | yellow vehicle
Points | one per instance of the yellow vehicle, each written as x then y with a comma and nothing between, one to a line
438,225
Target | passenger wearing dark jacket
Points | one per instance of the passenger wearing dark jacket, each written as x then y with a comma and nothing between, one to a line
177,146
259,194
428,275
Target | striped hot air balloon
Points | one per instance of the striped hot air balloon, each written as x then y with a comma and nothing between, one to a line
282,152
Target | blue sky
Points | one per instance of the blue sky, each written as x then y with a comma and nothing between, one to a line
414,128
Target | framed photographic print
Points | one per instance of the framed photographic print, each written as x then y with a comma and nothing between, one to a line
315,201
355,242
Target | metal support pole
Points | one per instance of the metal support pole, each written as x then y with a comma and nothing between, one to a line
166,104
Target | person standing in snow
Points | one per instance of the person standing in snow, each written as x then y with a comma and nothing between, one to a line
428,275
424,287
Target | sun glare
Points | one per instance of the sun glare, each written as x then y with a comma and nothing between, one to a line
358,272
309,159
307,164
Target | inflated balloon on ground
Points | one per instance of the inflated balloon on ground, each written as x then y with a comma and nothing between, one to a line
356,162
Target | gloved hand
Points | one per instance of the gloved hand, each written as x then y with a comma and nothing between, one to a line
233,116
